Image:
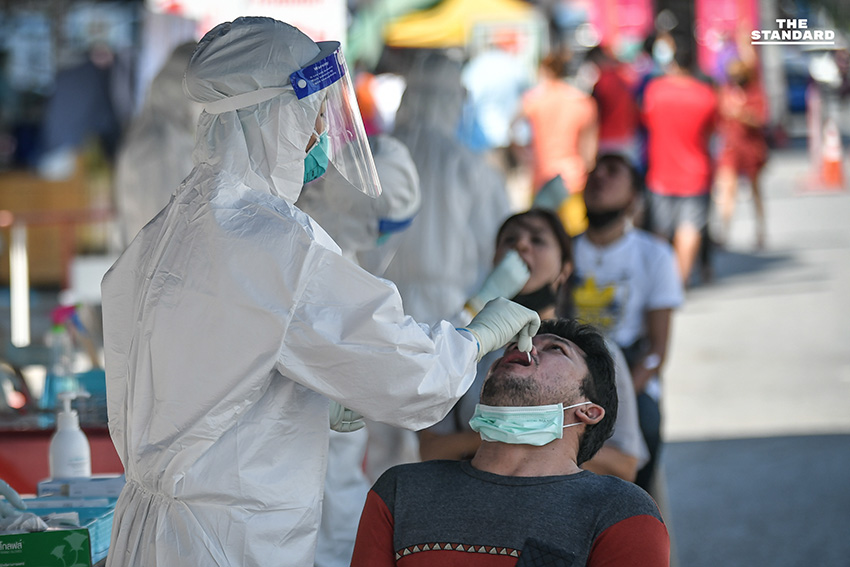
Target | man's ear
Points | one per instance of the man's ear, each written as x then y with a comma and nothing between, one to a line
590,414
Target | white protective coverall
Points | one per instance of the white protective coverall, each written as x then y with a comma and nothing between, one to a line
156,153
448,250
354,222
232,318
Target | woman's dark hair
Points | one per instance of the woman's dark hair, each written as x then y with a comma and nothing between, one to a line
599,385
554,223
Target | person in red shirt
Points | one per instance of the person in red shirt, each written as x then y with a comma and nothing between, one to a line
743,113
619,114
680,114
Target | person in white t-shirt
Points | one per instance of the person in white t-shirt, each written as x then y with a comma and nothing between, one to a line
625,282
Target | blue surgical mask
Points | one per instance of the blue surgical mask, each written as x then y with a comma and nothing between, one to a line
316,161
531,425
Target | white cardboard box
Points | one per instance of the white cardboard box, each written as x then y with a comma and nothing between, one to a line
108,485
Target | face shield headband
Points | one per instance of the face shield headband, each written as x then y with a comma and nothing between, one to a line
348,148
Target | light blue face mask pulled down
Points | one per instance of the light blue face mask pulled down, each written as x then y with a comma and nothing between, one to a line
316,161
531,425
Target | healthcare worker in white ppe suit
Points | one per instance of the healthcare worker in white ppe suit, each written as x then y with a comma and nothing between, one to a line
232,319
358,224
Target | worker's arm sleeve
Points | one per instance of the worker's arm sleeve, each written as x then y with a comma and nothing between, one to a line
349,339
637,541
374,544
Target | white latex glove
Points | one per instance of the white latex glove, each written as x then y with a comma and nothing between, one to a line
12,515
12,505
344,419
552,195
506,280
499,322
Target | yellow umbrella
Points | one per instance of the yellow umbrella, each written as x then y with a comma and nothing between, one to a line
365,36
450,23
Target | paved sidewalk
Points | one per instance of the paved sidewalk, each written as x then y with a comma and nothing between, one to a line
757,388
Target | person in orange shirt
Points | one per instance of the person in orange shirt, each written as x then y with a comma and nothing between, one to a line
564,136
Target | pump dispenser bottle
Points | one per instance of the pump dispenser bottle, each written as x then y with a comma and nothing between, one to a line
60,375
70,453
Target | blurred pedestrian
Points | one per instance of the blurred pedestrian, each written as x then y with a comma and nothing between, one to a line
495,78
155,155
680,115
564,135
655,55
85,106
743,115
619,115
445,254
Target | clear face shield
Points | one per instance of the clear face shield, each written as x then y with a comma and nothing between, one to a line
339,119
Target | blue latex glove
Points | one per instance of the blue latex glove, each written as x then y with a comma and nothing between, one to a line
499,322
344,419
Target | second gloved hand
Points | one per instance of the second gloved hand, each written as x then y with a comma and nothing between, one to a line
499,322
13,518
552,195
506,280
11,504
345,420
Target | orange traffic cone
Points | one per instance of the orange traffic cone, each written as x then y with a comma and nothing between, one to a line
832,176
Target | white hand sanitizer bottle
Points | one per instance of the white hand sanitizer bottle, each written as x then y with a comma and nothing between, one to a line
70,452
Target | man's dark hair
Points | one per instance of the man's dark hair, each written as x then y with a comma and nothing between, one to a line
637,178
600,384
596,55
556,63
684,52
648,42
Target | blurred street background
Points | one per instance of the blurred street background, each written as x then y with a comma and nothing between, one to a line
757,380
757,388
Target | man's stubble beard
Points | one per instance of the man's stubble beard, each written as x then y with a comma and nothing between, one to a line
507,389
